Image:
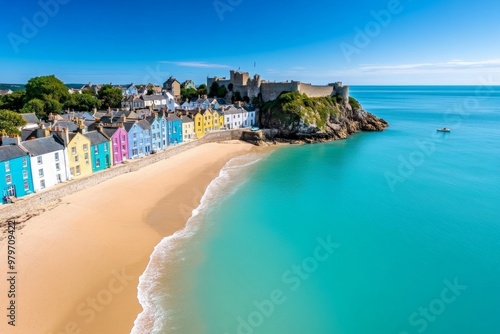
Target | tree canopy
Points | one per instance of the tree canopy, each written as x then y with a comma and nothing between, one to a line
111,97
188,93
36,106
214,89
46,88
202,89
82,102
14,101
10,122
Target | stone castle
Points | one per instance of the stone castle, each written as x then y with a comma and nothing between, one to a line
252,87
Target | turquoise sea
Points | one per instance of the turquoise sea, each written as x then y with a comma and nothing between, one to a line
394,232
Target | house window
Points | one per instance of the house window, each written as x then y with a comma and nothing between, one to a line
56,156
42,184
76,159
86,156
25,162
8,178
26,186
135,135
72,171
59,180
85,147
58,167
7,166
98,163
40,172
39,160
25,174
73,150
116,150
123,148
96,149
78,170
115,141
106,148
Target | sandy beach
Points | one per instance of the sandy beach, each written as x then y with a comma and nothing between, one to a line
79,263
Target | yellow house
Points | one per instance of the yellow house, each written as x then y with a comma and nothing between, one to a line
199,128
79,154
218,120
208,121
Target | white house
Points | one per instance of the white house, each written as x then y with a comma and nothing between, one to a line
154,100
237,117
49,161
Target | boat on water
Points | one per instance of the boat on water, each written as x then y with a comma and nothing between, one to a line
444,130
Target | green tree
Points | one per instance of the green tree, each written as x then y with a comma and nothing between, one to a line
82,102
230,87
14,101
90,92
202,89
188,93
36,106
46,88
52,106
214,89
110,96
222,92
10,122
237,96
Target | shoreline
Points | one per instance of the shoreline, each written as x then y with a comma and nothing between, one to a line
80,262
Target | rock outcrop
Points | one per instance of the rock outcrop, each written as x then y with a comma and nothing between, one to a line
298,117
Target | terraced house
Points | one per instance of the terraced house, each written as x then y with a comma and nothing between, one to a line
174,129
48,160
100,149
138,138
79,154
119,143
15,171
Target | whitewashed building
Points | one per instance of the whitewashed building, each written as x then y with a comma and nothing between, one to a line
238,117
49,161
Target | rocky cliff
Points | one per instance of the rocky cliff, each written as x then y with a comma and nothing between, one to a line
296,116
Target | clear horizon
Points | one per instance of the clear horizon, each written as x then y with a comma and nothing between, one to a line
364,43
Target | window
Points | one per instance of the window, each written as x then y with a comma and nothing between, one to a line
98,163
11,191
56,156
58,166
78,170
73,150
40,172
96,149
85,147
42,184
135,135
39,160
115,141
25,174
106,147
86,156
124,148
26,186
72,171
76,158
59,180
7,166
8,178
116,150
25,162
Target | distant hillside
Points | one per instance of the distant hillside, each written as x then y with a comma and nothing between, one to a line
12,87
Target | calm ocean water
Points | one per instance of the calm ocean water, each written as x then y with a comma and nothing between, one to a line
386,233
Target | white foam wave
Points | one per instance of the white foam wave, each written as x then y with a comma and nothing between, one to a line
154,316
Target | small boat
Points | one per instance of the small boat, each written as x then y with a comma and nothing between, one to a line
255,128
444,130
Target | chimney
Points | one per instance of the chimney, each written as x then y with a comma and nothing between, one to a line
65,136
6,140
123,118
99,128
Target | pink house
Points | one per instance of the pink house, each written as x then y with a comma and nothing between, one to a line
119,142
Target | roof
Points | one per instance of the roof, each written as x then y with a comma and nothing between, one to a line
172,117
27,133
30,118
186,119
10,152
96,138
109,131
144,124
153,97
42,146
71,126
85,115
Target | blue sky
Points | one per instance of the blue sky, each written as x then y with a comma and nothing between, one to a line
357,42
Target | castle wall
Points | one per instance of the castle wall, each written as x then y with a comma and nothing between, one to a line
271,90
315,91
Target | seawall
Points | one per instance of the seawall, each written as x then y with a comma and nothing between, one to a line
41,200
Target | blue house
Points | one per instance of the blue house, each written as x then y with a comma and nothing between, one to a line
174,129
139,138
157,132
15,172
100,148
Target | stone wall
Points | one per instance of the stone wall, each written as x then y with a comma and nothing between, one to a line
271,90
315,91
43,199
